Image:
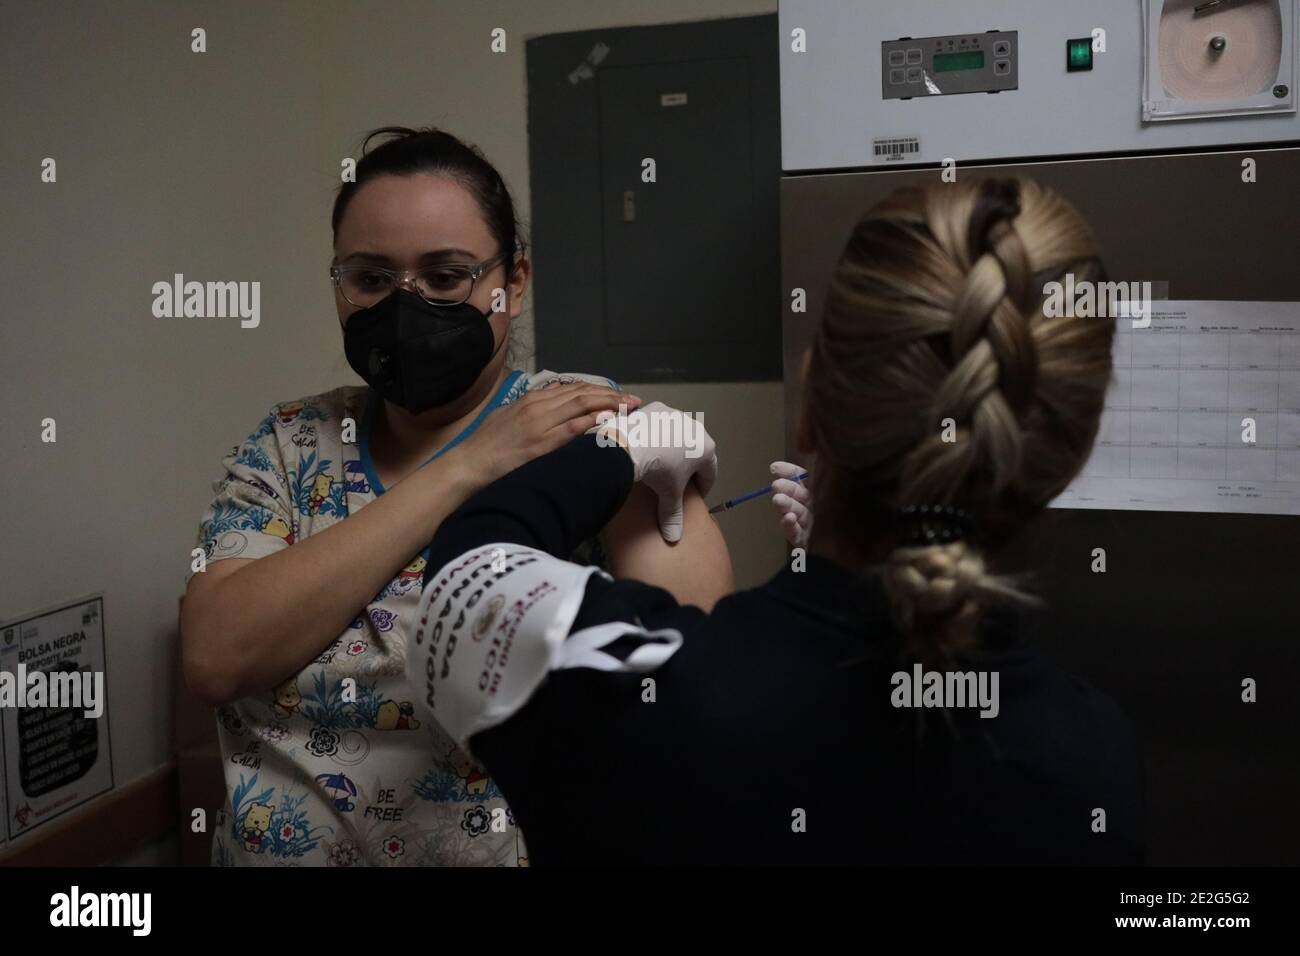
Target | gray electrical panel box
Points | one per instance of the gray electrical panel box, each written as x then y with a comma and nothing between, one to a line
664,241
654,155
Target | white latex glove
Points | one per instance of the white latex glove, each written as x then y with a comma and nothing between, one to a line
793,502
684,451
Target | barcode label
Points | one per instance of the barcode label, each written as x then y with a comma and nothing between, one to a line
895,148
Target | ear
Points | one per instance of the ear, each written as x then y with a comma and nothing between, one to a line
518,285
803,440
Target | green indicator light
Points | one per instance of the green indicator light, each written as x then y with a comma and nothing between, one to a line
1078,54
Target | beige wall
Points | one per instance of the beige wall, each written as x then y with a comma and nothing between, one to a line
222,166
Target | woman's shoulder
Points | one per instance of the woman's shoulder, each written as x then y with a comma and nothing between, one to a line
1068,723
1072,695
301,424
346,401
329,409
521,383
546,377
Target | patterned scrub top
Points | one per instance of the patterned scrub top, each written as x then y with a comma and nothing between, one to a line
319,771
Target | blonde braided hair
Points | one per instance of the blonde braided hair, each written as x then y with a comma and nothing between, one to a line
935,313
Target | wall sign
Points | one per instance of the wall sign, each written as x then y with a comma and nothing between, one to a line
54,736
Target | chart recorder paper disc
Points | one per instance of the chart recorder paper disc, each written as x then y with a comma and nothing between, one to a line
1225,53
1219,58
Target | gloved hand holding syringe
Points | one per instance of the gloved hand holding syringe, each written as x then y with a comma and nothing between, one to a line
791,498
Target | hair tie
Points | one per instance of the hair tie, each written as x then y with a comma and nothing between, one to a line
922,525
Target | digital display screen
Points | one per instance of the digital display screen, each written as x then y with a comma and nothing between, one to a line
970,60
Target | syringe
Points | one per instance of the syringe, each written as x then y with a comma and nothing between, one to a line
767,490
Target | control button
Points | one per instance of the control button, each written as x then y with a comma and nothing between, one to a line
914,75
1002,48
896,57
1078,54
896,77
914,57
1002,67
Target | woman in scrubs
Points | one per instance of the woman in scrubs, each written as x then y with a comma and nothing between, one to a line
315,544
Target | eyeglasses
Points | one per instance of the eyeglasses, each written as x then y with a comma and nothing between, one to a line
450,283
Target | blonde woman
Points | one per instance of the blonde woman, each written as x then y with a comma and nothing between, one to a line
882,702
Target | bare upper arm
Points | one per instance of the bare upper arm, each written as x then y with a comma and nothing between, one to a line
696,570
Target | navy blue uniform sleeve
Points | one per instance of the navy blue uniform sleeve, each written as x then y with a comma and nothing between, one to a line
587,762
580,721
552,503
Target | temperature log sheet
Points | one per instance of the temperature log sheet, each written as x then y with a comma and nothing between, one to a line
1203,413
